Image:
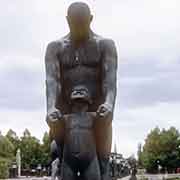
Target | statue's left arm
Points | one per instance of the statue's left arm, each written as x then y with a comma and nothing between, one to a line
109,76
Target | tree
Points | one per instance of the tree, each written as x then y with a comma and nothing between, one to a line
161,148
14,139
31,153
6,156
6,148
26,133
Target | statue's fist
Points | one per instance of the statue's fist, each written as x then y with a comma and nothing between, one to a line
104,110
53,116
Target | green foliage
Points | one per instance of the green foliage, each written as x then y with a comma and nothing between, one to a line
33,152
30,150
6,147
6,156
4,168
14,139
161,146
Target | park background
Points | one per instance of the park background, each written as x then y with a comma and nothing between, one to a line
146,33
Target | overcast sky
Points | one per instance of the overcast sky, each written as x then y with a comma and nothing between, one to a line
146,33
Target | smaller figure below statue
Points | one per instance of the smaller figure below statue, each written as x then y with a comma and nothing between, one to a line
80,157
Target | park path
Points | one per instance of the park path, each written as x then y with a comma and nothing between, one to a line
149,176
158,176
31,178
125,178
48,178
153,176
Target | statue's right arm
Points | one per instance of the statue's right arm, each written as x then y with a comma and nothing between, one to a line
53,86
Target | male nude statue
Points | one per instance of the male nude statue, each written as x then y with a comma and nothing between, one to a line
79,155
82,58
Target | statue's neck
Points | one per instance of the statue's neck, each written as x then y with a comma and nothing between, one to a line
79,41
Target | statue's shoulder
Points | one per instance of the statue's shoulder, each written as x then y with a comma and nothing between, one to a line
59,44
103,42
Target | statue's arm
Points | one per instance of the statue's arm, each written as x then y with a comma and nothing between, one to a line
53,86
109,66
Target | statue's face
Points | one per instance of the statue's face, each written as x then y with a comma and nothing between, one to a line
79,25
80,93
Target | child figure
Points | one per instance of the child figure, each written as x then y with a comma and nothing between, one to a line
79,157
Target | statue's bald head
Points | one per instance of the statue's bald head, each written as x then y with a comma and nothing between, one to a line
79,19
79,9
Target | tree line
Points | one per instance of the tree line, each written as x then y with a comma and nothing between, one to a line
160,150
33,151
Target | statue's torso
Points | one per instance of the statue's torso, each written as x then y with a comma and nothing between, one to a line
81,66
79,135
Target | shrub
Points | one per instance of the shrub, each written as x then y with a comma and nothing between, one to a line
4,168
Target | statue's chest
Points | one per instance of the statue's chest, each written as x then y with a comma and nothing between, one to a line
87,55
79,121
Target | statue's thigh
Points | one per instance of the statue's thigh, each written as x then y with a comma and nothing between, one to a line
103,135
66,172
93,171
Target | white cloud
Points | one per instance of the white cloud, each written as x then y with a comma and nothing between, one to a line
132,125
19,120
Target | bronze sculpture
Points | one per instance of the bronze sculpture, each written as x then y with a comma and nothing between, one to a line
79,154
82,58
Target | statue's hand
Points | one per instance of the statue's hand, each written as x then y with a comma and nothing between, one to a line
53,116
104,110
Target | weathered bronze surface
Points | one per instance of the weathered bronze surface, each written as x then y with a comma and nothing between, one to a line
81,70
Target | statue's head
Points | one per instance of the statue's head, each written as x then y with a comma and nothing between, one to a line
79,19
80,94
